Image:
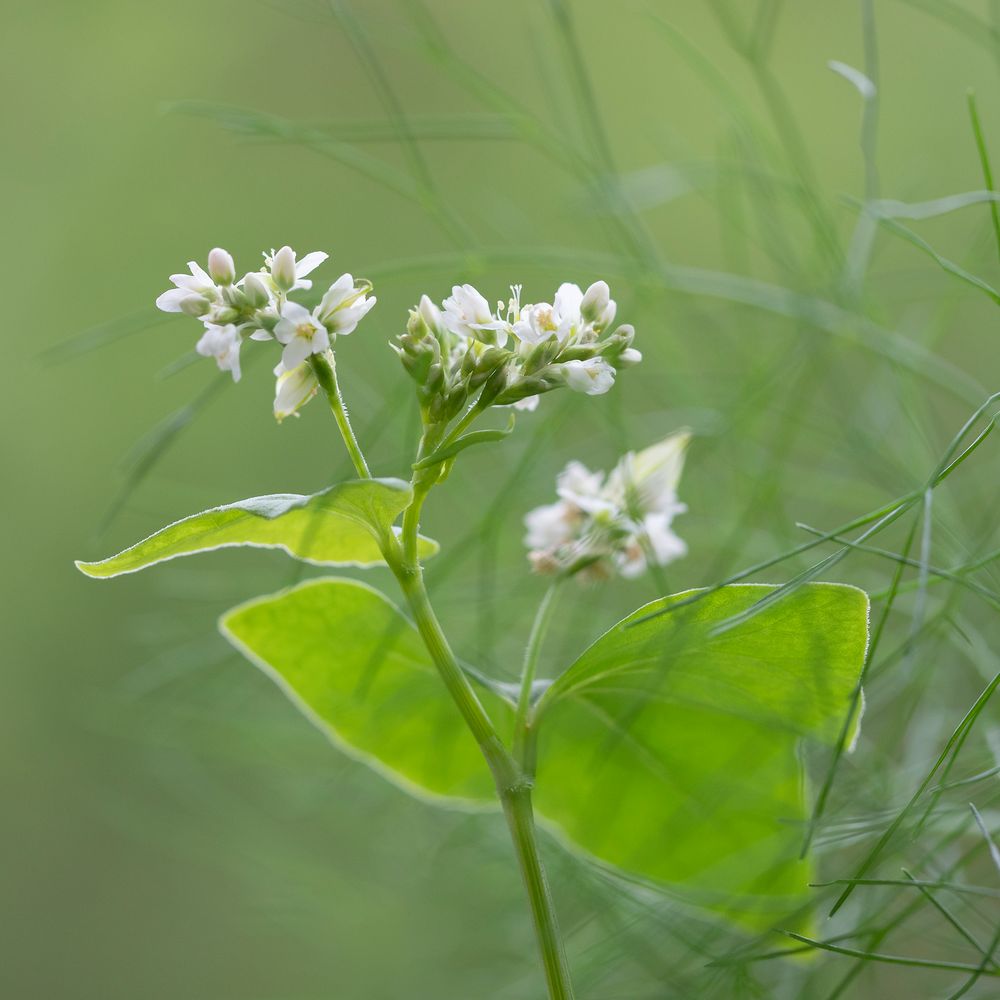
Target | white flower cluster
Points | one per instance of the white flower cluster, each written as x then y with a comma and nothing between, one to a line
619,523
257,307
515,352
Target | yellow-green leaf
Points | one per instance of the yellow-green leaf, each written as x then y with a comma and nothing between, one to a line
337,527
671,751
357,668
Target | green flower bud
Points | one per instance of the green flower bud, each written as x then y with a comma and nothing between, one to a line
225,315
255,291
195,305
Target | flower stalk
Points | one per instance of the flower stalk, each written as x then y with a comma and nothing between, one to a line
324,367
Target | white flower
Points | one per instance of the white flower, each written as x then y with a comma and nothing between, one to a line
621,522
548,526
594,376
537,323
287,273
654,541
198,285
581,487
646,482
629,358
223,344
663,541
344,305
221,266
467,314
567,303
293,390
301,333
542,321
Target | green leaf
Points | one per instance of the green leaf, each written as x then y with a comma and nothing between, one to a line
672,752
357,668
337,527
465,441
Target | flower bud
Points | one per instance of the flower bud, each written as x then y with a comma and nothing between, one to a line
221,266
580,352
430,314
593,377
624,335
234,297
523,388
416,325
628,358
255,291
540,355
596,301
195,305
419,355
225,315
495,384
283,268
417,366
490,360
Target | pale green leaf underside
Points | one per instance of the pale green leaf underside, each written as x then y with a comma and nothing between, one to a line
672,753
357,668
337,527
697,789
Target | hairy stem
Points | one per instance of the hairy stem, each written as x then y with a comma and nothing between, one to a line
325,371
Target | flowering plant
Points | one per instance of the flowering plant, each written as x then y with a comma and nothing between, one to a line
601,750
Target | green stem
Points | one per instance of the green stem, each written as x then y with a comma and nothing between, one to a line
422,483
513,787
521,821
325,371
523,721
470,415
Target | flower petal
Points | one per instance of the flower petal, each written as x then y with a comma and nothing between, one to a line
170,301
309,263
295,352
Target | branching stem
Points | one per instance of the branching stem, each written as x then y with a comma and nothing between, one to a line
513,785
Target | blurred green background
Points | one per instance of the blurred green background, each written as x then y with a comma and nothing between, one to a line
171,828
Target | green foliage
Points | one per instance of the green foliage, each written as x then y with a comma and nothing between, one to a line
350,660
340,526
815,349
669,749
665,750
